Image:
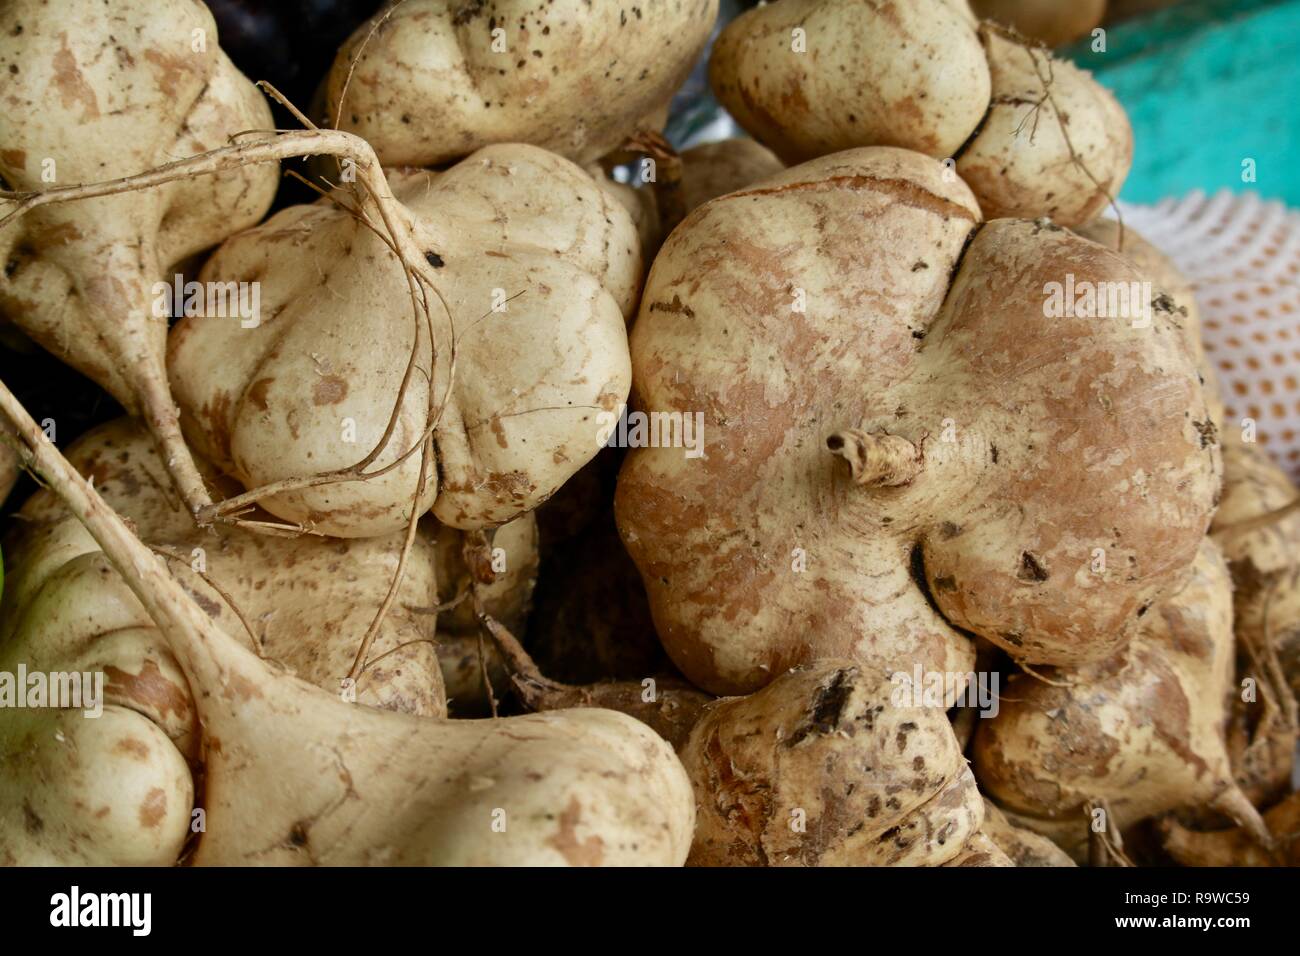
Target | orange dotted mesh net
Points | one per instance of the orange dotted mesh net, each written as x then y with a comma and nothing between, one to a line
1242,255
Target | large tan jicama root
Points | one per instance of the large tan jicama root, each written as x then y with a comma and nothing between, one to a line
1238,846
427,81
1141,734
1050,22
95,91
264,591
293,775
1032,135
896,444
533,267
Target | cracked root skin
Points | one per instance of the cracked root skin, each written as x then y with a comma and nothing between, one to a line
108,92
529,379
922,75
878,784
429,87
1040,440
1142,733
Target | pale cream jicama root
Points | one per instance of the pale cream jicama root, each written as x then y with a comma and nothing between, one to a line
1032,135
1141,734
896,443
265,591
97,91
293,775
507,370
427,81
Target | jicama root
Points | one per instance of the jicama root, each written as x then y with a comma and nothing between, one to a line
1184,313
1261,553
823,767
1141,734
264,591
967,422
507,370
1238,846
97,91
507,596
1023,847
1033,135
1264,556
428,81
293,775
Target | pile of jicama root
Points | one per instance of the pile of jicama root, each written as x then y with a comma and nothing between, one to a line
540,494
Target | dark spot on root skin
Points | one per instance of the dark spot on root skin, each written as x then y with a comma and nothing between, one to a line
434,259
828,707
1031,568
32,821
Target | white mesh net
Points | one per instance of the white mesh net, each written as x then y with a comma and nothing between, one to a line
1242,255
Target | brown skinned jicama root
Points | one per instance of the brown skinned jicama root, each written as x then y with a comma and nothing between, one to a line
293,775
505,373
1032,135
1238,847
823,767
427,81
95,92
1141,733
874,432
